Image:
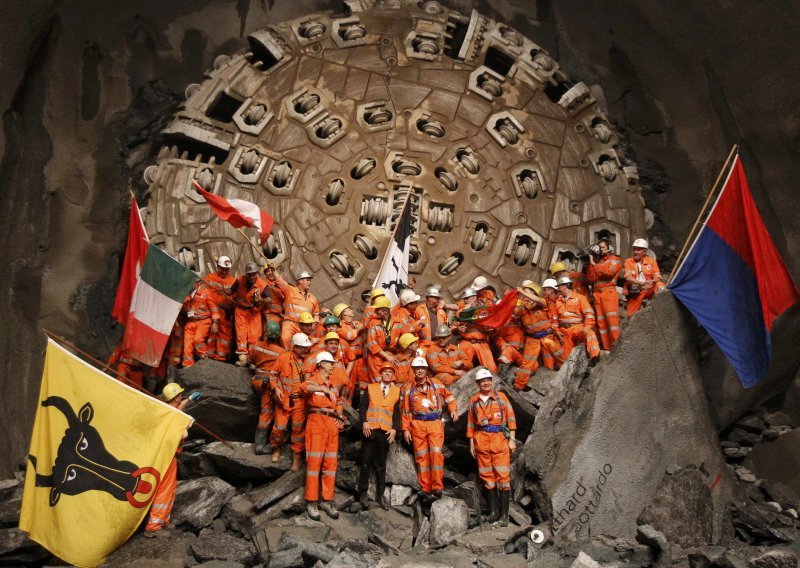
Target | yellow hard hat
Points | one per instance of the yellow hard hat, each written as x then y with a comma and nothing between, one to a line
338,309
331,335
535,287
382,302
377,292
306,317
171,390
558,267
407,339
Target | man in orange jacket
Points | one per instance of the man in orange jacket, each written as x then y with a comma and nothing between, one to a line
273,295
576,320
289,401
491,426
424,403
263,356
221,290
126,366
431,314
379,414
404,319
202,315
296,300
642,277
447,362
579,283
603,275
247,291
377,345
474,340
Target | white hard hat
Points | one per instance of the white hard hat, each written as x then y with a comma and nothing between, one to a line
483,374
407,296
480,283
303,274
564,280
640,243
301,340
224,262
433,292
550,283
323,356
419,362
469,293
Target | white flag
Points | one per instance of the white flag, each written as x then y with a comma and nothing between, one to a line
393,275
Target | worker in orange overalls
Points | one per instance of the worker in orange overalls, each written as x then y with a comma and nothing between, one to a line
510,339
369,309
603,275
296,300
247,293
447,362
337,347
579,283
576,319
202,318
221,290
263,356
164,497
474,339
642,277
540,336
325,421
289,402
431,314
424,401
404,318
491,426
379,415
125,365
408,344
273,295
377,345
354,332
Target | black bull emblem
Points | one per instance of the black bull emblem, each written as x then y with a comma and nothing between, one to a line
83,463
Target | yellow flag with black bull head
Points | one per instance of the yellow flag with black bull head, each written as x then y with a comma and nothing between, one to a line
98,451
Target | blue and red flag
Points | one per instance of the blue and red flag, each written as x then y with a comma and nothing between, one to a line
734,281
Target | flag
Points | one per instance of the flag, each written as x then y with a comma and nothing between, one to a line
135,253
239,213
393,275
734,281
98,450
162,288
494,316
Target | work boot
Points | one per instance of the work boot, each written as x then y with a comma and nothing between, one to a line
312,510
494,511
424,497
436,494
260,442
363,500
505,497
330,509
242,360
276,454
380,495
297,462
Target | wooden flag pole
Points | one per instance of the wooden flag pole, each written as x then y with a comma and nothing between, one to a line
122,377
691,236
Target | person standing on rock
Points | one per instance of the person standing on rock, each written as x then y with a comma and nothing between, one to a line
491,426
220,288
424,402
296,300
576,320
379,414
249,302
377,346
642,277
286,387
324,422
202,317
603,274
263,356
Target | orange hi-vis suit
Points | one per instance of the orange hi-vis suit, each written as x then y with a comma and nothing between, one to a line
474,343
540,339
164,496
603,275
440,362
576,320
338,376
201,313
510,339
295,303
288,377
377,341
422,407
431,319
273,309
579,283
645,271
485,422
221,290
263,355
321,438
403,371
247,314
126,366
403,321
356,339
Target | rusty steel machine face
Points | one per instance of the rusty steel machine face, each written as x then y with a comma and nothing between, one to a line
329,122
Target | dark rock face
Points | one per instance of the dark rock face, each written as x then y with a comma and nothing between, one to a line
199,501
211,545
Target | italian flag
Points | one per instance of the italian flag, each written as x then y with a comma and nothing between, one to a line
162,287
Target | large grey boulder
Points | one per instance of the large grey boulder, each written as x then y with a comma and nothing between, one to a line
200,501
236,462
170,549
212,545
400,466
603,440
449,518
228,405
271,492
17,549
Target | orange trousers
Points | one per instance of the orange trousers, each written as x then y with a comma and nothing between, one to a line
267,415
288,329
280,430
575,335
494,460
195,336
219,344
635,302
322,447
479,350
427,438
606,306
551,351
248,329
164,498
133,374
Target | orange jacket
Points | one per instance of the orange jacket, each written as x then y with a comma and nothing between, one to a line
202,306
263,355
355,337
575,310
275,301
296,302
379,411
537,319
604,274
403,372
647,271
377,336
319,400
221,289
496,411
245,296
430,319
579,283
288,373
415,396
441,360
486,297
403,321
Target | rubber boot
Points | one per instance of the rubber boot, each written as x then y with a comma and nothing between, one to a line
330,509
505,497
260,442
297,462
494,512
276,454
380,491
363,500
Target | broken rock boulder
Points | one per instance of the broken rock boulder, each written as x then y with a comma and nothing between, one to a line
211,545
449,518
199,501
236,462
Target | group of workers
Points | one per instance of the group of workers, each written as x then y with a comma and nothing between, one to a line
396,363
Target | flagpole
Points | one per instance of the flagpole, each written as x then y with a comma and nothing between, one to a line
691,236
122,377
